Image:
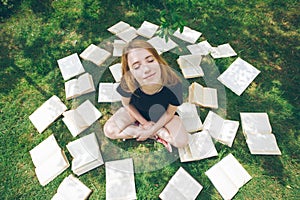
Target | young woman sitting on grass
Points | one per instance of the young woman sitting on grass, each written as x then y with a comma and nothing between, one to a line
151,92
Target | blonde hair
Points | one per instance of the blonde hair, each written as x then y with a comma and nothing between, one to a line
128,82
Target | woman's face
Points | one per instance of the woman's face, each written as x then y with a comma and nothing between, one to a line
144,67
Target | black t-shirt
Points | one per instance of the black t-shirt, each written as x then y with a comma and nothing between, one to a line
153,106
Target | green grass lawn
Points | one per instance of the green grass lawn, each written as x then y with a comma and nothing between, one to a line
35,34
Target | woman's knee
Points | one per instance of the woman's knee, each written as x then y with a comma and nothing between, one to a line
109,130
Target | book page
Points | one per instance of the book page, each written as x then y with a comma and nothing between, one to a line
201,145
118,47
185,154
72,188
185,184
223,51
262,144
161,45
197,93
88,112
189,116
44,150
171,192
202,48
238,175
238,76
213,124
72,89
222,182
108,92
228,132
255,123
86,83
128,34
51,167
118,27
47,113
74,122
70,66
95,54
188,35
120,182
116,71
210,98
147,29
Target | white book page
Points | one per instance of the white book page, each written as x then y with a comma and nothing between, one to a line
188,35
228,132
118,47
185,184
255,123
95,54
88,112
75,123
72,89
70,66
201,145
189,116
120,180
262,144
116,71
223,51
235,171
238,76
202,48
128,34
197,93
161,45
52,167
147,29
72,188
210,98
44,150
118,27
221,181
213,124
171,192
108,92
86,83
47,113
185,154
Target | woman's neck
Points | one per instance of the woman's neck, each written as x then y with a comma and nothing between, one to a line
151,89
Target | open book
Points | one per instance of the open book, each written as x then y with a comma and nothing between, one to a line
72,188
228,176
147,29
82,85
49,160
181,186
223,51
161,45
128,34
258,132
116,71
95,54
202,48
108,92
203,96
200,146
118,27
189,116
238,76
81,118
118,46
188,35
70,66
220,129
120,182
47,113
86,154
190,65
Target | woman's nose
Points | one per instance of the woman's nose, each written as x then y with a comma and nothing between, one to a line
146,69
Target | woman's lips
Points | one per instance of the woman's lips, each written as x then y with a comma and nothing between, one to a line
149,76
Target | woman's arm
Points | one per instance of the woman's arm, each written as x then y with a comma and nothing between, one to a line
163,120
